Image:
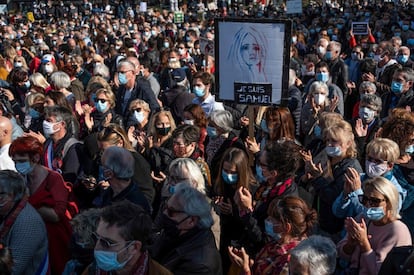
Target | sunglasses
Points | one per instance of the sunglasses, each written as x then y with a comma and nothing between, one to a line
105,243
137,110
100,100
374,202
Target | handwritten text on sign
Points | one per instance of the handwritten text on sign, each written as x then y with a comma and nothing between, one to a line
252,93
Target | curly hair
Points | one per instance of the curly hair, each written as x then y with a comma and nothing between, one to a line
284,157
399,128
296,212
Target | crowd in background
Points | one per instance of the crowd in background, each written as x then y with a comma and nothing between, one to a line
118,157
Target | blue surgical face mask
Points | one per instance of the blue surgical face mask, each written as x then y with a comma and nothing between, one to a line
108,260
410,149
33,113
101,107
27,84
259,174
375,213
405,27
324,77
333,151
328,55
24,168
410,42
396,87
403,58
199,92
122,78
270,232
229,178
211,132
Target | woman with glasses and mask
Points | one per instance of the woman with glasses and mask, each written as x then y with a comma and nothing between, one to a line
103,113
371,235
382,153
289,221
138,123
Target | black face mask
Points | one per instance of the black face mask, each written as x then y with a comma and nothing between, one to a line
170,226
163,131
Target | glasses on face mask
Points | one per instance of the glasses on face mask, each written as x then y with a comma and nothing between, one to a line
105,243
371,201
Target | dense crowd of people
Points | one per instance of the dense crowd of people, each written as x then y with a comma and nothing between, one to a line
118,157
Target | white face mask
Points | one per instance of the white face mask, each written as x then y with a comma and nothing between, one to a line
48,69
375,170
319,98
48,128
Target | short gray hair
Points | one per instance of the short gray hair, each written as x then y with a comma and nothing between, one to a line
317,253
188,168
13,184
194,203
60,80
316,85
101,70
126,63
372,100
368,85
120,161
222,119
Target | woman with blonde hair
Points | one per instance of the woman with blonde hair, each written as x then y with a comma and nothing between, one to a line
160,144
328,176
373,234
39,84
103,113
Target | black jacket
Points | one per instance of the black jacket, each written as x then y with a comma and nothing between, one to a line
328,190
395,262
142,90
195,252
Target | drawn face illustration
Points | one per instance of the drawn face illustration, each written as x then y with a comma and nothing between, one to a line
250,50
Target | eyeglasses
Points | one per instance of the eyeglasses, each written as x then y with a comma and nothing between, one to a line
374,202
105,243
376,161
100,100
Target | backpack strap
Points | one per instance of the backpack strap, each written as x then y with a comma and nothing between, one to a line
71,141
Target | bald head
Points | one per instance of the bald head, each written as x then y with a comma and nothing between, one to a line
5,131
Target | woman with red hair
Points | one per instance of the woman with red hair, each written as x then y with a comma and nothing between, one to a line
48,194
